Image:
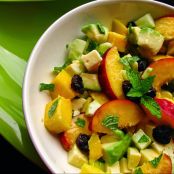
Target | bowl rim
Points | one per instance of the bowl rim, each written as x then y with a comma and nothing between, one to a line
29,66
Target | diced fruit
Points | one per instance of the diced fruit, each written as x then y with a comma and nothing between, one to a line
109,139
145,21
99,97
82,142
96,32
115,168
90,82
128,113
110,75
75,68
124,166
148,40
163,72
77,104
164,94
76,49
68,138
119,27
92,107
76,157
165,26
91,61
102,48
58,115
118,40
99,164
164,166
167,113
86,104
95,148
148,155
113,152
62,84
158,147
133,157
141,140
86,168
170,50
149,130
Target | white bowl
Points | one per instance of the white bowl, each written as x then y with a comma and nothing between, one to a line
50,51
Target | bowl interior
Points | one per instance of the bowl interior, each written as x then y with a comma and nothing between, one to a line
50,51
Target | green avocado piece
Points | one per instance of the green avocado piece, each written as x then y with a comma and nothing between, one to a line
76,49
102,48
90,81
96,32
113,152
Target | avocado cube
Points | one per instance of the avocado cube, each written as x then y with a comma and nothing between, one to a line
145,21
92,107
91,61
157,147
115,168
102,48
124,166
133,157
141,140
76,49
148,155
90,81
76,157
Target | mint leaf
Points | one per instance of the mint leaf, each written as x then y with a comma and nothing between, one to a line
53,108
80,122
101,28
155,161
44,86
147,84
143,139
138,171
110,122
57,69
151,105
134,93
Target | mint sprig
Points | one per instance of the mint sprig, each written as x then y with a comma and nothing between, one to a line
143,139
140,87
155,161
80,122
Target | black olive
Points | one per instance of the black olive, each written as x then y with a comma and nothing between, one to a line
162,134
142,65
151,92
126,86
82,142
77,84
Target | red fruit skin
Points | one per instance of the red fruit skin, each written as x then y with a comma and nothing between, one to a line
67,145
167,113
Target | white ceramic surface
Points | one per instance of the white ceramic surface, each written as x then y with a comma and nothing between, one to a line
50,51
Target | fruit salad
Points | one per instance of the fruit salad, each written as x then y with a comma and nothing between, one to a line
112,101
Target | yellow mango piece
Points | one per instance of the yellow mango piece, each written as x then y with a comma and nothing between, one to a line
109,139
118,40
99,97
95,148
88,169
119,27
58,115
62,84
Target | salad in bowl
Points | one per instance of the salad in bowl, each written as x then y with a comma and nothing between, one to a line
112,103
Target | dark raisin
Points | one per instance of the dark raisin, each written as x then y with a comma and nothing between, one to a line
142,65
169,87
131,24
151,93
162,134
82,142
77,84
134,99
126,86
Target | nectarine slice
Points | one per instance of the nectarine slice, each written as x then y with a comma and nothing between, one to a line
128,113
110,74
165,25
164,72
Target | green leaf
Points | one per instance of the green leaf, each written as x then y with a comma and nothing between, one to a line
101,28
138,171
44,86
151,105
80,122
143,139
110,122
53,108
134,93
57,69
155,161
147,84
